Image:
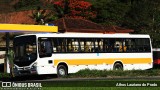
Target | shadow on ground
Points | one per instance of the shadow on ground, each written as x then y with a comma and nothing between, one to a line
29,78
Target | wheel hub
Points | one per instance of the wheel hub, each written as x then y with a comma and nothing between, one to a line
62,72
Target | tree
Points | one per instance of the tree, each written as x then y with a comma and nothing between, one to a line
42,16
144,17
11,58
74,9
5,6
27,4
110,12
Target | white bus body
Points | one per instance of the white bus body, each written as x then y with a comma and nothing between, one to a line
77,55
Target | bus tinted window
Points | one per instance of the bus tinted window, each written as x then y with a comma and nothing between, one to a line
114,45
137,45
59,45
130,45
100,45
89,45
44,47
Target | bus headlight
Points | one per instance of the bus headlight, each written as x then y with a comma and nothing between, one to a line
15,67
34,65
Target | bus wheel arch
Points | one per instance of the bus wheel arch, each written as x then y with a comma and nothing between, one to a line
118,65
62,69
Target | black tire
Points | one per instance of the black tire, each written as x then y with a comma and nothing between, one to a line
62,71
118,66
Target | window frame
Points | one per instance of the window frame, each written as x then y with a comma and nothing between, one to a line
105,40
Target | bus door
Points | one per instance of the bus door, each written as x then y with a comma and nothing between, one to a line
45,60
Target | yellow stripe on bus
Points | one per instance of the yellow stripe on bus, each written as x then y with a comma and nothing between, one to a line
102,61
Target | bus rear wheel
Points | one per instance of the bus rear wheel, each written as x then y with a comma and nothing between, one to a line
61,71
118,66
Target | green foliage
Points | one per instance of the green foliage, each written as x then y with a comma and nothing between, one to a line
23,4
110,73
11,56
42,16
137,16
110,12
4,75
101,88
61,11
144,17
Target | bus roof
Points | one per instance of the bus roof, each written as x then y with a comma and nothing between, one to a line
88,35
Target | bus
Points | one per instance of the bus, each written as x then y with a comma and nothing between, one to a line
156,57
65,53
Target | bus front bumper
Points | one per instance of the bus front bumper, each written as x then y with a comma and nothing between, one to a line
24,71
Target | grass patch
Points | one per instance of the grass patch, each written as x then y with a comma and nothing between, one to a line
87,73
105,73
4,75
101,88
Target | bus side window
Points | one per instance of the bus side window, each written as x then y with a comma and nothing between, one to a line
86,48
54,44
70,48
48,47
82,46
129,45
45,47
101,46
42,49
59,45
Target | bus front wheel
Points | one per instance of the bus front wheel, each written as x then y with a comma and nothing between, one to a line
118,66
61,71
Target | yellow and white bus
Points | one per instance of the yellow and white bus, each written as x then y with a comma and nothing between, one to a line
65,53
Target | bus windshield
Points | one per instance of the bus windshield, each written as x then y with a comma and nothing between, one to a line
25,50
